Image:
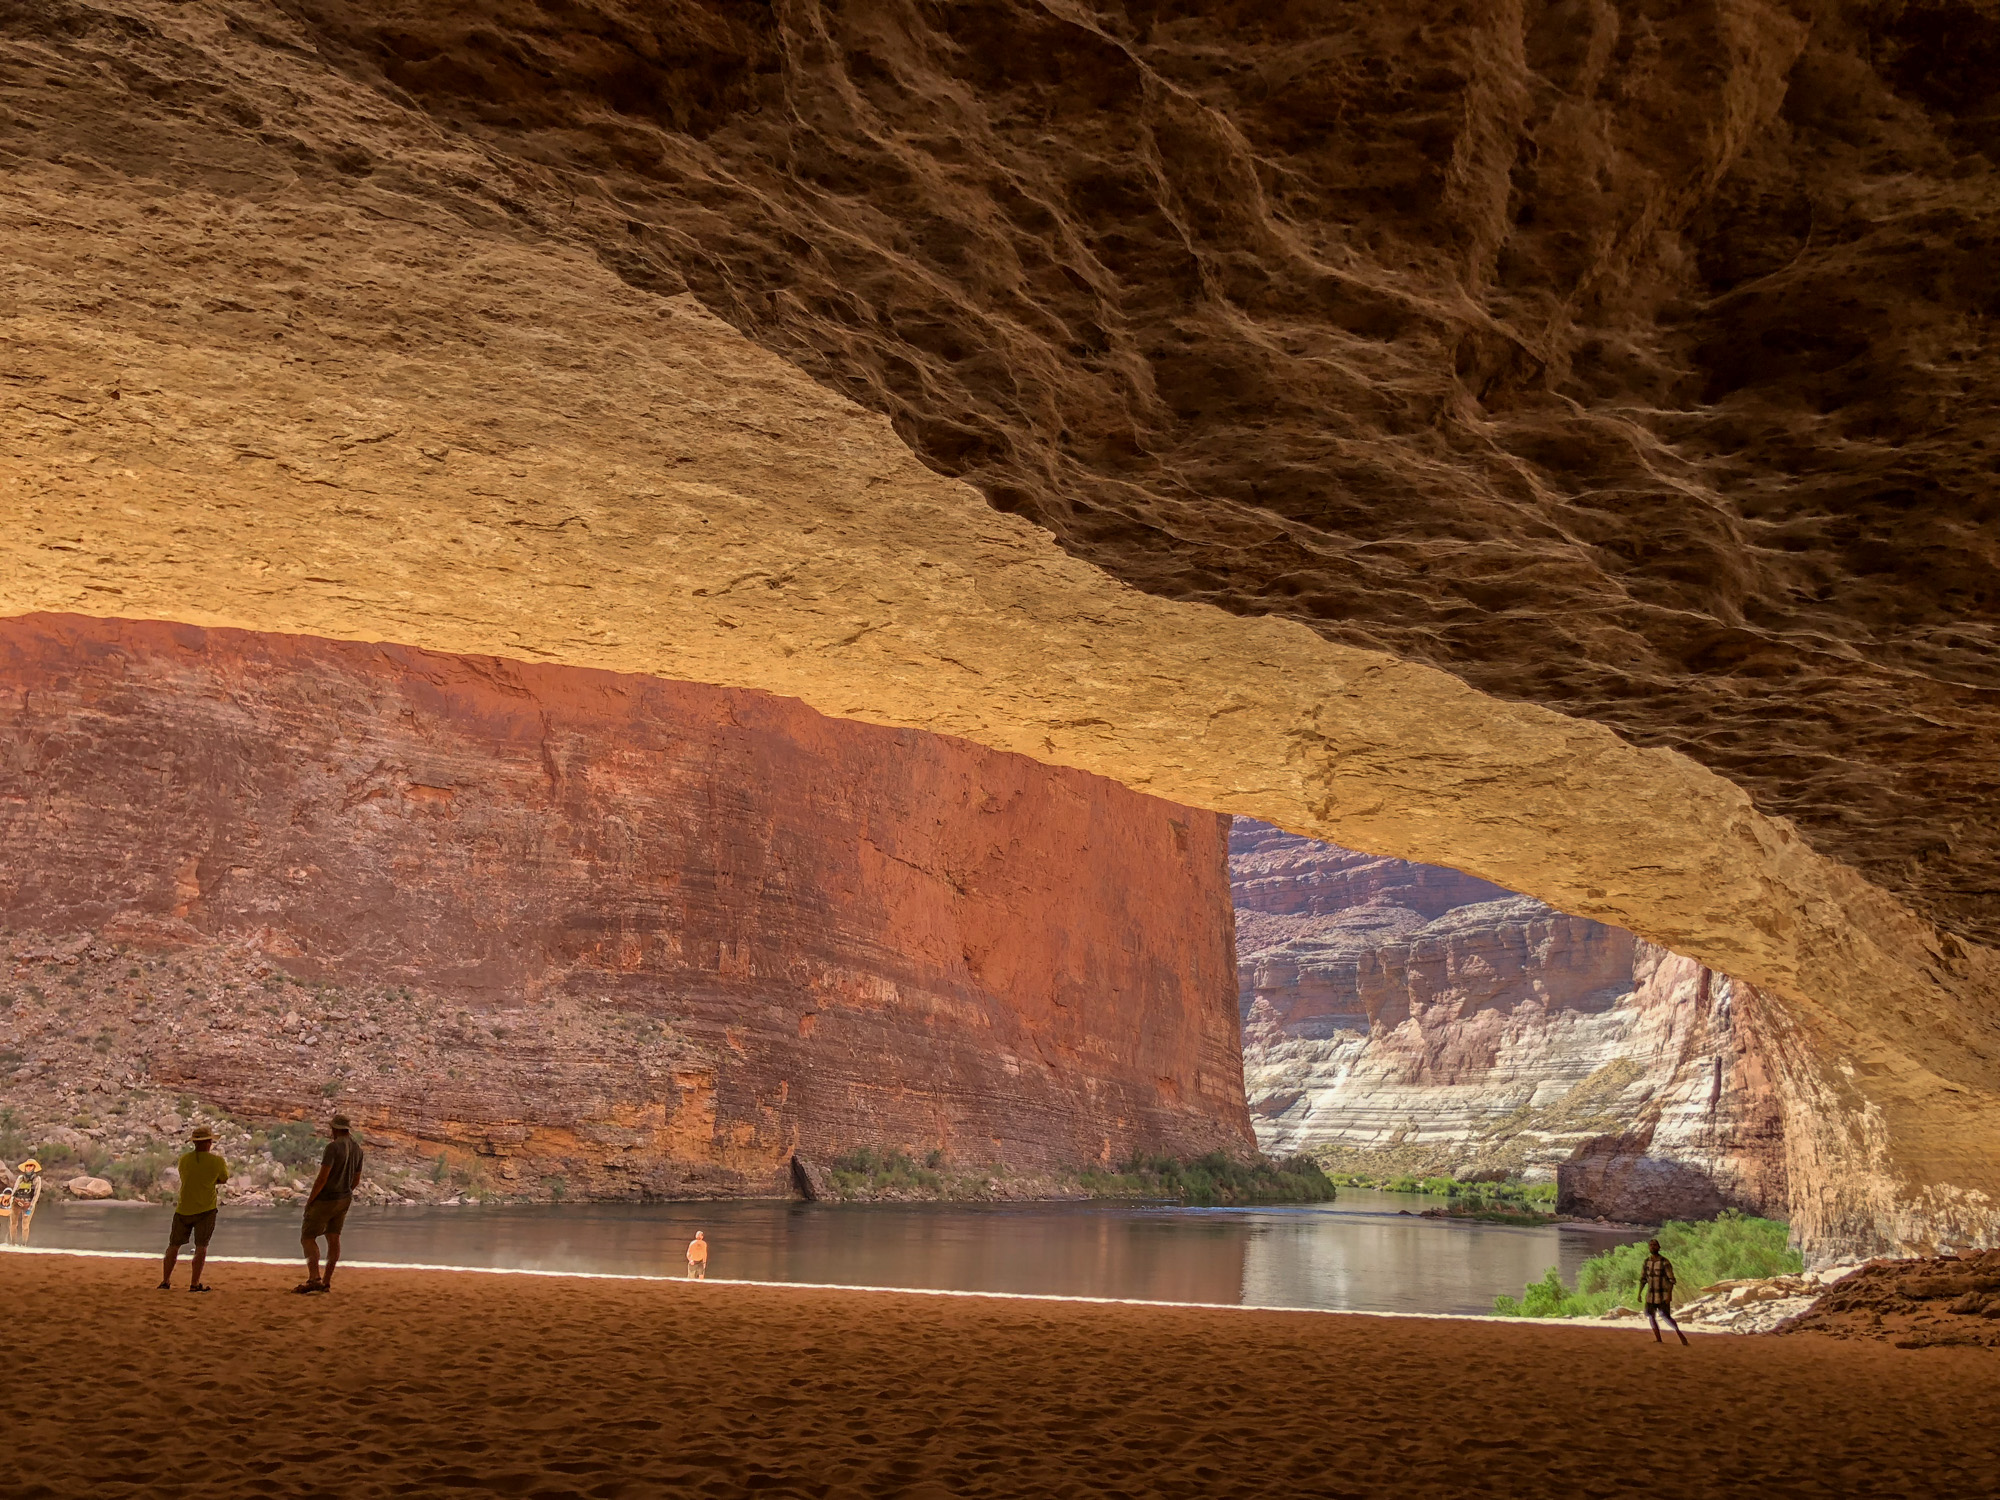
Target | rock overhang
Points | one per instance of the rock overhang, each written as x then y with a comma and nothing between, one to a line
253,388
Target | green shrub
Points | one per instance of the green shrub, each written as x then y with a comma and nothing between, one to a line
1214,1180
135,1176
13,1138
294,1143
1729,1247
865,1171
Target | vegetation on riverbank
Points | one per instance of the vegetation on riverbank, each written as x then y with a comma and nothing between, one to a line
1509,1202
1208,1181
1729,1247
1214,1180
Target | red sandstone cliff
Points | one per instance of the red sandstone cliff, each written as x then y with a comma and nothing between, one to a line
666,934
1403,1012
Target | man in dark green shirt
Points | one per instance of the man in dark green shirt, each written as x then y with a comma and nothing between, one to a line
327,1204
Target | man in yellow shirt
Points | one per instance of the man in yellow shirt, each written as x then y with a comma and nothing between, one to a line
202,1171
698,1257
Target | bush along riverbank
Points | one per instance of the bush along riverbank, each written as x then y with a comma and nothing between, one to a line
1507,1202
870,1175
1214,1180
1729,1247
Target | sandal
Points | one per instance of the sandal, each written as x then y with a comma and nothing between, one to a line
202,1288
308,1286
165,1286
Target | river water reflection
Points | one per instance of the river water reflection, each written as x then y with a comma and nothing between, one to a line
1360,1253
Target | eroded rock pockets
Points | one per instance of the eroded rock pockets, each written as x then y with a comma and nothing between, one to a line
1632,361
596,924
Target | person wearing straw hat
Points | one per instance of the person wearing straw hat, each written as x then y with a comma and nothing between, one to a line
327,1204
19,1200
202,1171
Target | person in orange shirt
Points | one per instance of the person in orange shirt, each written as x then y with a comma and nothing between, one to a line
698,1258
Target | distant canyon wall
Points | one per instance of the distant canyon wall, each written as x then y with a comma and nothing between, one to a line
1437,1023
776,932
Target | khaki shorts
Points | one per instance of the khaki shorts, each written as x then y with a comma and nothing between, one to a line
325,1216
200,1226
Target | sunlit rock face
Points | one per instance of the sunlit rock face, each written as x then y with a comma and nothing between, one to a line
1625,365
1414,1019
667,934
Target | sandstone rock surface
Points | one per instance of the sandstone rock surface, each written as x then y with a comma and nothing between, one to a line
662,936
88,1187
293,350
1404,1014
1598,353
1917,1304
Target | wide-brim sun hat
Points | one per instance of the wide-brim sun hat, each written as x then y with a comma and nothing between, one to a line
30,1165
203,1134
341,1122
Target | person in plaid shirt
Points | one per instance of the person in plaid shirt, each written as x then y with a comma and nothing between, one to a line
1656,1284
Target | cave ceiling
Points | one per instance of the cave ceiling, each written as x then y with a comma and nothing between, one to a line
1630,359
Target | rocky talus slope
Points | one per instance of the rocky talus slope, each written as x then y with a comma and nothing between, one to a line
1550,441
645,937
1407,1018
1914,1304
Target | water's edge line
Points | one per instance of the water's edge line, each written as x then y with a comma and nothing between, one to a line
831,1286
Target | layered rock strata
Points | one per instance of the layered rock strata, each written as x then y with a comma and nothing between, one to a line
1398,1015
649,936
295,349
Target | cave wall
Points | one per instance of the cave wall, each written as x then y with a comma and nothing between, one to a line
294,350
820,935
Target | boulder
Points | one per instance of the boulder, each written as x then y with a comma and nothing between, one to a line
89,1187
814,1182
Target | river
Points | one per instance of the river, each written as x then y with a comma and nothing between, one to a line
1367,1252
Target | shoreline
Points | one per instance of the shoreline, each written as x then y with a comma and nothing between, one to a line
153,1258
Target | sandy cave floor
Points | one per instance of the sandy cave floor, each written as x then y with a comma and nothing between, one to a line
416,1383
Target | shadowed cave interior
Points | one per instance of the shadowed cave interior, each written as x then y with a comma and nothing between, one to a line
735,517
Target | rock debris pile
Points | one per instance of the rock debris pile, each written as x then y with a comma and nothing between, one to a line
1913,1304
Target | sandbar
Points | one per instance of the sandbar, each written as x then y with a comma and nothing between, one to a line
407,1382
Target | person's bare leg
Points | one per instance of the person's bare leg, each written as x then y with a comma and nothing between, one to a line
1653,1317
167,1263
1676,1325
312,1260
332,1259
200,1257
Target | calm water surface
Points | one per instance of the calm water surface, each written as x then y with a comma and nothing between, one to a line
1357,1253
